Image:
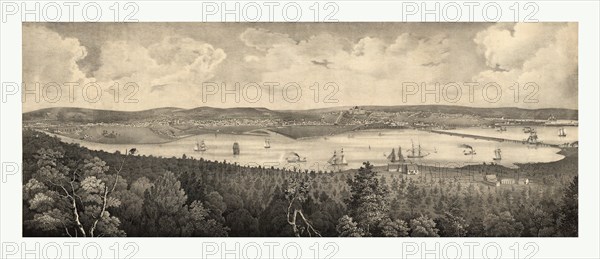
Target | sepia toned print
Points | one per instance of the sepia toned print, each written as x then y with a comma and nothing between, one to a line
300,129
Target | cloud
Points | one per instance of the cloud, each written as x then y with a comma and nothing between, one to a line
370,66
262,39
49,57
542,53
167,73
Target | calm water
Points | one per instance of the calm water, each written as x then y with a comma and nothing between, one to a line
546,134
359,147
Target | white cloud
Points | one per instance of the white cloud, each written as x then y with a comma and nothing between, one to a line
263,39
542,53
48,57
168,73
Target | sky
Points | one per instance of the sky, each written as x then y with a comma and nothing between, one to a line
286,66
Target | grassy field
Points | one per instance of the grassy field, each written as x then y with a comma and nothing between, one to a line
125,135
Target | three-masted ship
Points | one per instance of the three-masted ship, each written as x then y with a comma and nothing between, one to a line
415,152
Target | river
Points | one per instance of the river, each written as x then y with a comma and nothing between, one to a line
368,145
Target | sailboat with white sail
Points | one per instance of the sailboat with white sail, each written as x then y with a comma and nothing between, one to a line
267,143
337,160
497,154
200,146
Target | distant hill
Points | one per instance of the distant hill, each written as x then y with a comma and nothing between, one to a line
506,112
83,115
211,113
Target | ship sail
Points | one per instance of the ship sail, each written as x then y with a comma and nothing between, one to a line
202,146
498,154
267,143
333,159
338,160
562,132
236,148
197,146
392,156
343,158
400,156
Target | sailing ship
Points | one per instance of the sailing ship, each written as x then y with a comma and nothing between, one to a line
267,143
294,157
562,132
200,146
415,152
528,130
338,160
532,139
396,159
236,148
497,154
501,129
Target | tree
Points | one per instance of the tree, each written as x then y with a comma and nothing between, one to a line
216,206
346,227
502,225
74,196
165,212
296,193
452,226
242,224
368,202
423,226
395,228
569,211
413,197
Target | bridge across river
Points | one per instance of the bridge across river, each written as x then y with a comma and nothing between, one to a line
463,135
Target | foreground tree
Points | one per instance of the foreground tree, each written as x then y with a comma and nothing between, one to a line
346,227
502,225
296,193
165,212
74,196
368,203
569,211
423,226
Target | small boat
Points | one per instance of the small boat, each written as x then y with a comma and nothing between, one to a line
562,132
497,154
380,134
528,130
293,157
338,160
501,129
267,143
236,149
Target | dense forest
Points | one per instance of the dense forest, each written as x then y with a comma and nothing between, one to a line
69,190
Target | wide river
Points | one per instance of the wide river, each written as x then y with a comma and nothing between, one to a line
369,145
